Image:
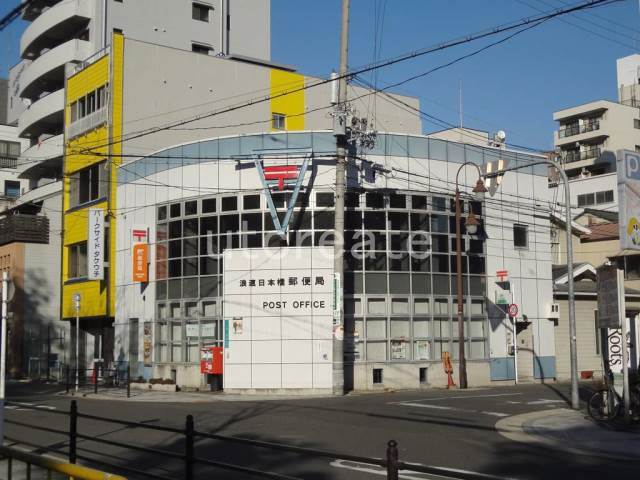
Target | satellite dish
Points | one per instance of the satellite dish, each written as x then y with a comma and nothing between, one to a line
500,136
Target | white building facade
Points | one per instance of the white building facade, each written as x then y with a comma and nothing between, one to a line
203,202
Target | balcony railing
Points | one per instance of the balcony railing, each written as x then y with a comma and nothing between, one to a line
91,121
24,229
576,129
583,155
8,161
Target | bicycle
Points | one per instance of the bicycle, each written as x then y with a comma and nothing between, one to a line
605,404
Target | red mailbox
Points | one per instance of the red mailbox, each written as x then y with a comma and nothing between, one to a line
211,360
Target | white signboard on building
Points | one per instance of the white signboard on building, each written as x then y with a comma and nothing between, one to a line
95,244
629,199
280,306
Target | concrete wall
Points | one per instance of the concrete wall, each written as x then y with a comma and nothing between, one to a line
170,23
42,285
4,100
157,92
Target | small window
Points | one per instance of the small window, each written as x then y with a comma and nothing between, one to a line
11,188
191,207
251,202
377,376
375,200
520,236
198,48
175,210
162,213
229,204
200,12
325,199
117,30
278,121
636,123
77,260
209,205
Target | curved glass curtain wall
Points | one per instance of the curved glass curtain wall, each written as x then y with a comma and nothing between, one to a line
399,281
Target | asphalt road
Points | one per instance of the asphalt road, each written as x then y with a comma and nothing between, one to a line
452,429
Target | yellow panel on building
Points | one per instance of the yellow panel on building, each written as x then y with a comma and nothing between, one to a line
291,105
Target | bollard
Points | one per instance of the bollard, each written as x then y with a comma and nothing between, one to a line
188,448
392,460
128,380
73,431
95,380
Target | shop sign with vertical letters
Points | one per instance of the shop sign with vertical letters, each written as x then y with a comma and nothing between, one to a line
141,262
95,244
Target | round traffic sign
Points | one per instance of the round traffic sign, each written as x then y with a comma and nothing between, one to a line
513,310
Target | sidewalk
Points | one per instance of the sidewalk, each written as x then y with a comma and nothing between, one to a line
180,397
572,431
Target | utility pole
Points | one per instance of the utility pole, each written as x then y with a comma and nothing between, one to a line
340,132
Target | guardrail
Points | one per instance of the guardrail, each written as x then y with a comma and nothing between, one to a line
49,465
390,460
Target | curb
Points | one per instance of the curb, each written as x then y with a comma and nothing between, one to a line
521,428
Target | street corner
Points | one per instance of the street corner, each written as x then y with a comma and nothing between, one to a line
570,431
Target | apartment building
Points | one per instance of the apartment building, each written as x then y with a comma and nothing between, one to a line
589,136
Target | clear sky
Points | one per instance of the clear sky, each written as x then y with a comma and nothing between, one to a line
515,86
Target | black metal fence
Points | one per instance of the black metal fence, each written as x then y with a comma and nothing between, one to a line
98,379
389,462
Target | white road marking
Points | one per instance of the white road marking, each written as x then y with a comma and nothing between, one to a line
442,407
458,397
18,406
544,401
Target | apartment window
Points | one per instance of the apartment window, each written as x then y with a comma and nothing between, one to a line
520,236
604,197
11,188
77,261
278,121
200,12
198,48
586,199
377,376
9,152
636,123
88,104
88,184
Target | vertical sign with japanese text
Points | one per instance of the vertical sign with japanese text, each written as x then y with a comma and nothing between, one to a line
141,262
95,244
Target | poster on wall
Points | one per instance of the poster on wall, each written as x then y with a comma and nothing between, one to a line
629,199
398,349
95,244
148,345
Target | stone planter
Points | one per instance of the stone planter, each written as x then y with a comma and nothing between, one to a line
157,387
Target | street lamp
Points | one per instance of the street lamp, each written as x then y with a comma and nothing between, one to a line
471,224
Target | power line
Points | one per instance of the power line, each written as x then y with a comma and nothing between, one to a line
525,22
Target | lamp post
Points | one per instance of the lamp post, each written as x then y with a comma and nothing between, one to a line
471,224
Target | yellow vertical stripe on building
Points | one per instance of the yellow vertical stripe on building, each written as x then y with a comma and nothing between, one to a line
117,85
107,69
292,105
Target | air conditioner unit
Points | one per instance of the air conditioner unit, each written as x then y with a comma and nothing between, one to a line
553,311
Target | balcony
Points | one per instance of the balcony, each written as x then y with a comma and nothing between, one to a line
576,129
8,161
43,117
46,73
35,8
91,121
574,156
54,26
24,229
